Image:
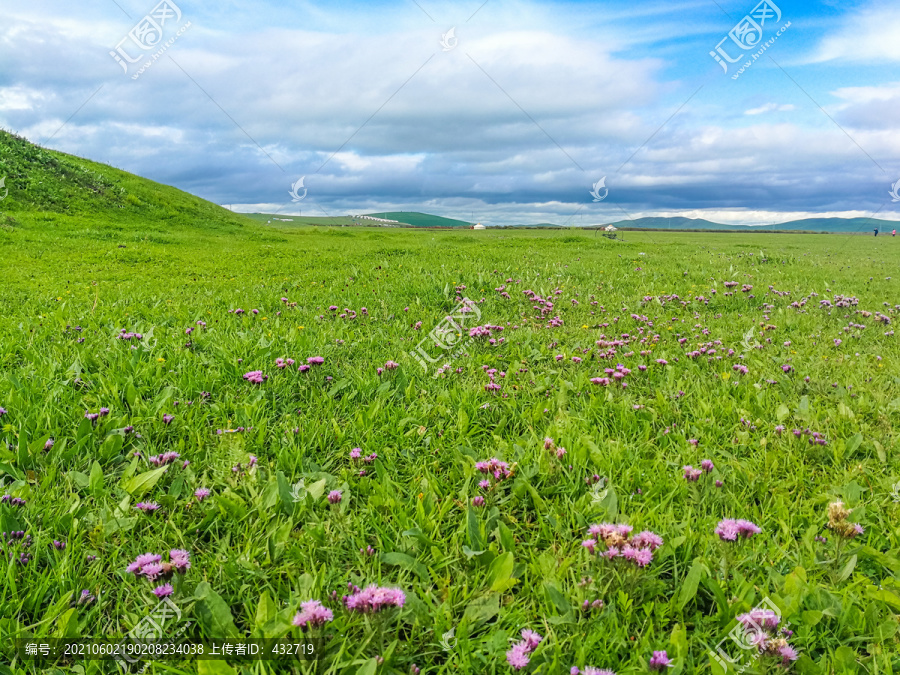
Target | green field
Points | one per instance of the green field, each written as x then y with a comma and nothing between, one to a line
485,562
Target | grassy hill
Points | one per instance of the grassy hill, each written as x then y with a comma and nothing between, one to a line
45,183
417,219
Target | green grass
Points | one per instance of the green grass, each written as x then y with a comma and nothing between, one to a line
486,572
78,270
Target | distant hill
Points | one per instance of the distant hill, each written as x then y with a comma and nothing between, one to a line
417,219
845,225
50,182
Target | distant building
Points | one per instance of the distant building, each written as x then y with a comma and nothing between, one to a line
479,226
610,228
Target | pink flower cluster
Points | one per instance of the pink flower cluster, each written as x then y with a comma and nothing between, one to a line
518,656
616,374
637,549
500,470
550,445
164,458
761,630
312,613
730,530
692,475
255,377
373,599
151,567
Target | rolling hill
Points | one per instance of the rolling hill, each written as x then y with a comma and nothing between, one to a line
46,183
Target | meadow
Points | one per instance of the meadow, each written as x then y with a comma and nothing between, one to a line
631,447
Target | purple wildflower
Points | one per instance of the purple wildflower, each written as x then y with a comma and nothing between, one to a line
163,591
660,660
374,598
312,613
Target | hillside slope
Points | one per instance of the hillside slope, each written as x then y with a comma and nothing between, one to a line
42,181
417,219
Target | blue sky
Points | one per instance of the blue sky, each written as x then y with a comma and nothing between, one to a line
513,118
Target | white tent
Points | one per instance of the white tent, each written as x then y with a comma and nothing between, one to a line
610,228
478,226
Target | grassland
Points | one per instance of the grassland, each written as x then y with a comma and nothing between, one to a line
267,539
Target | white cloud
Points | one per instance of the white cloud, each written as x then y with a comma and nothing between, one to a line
770,107
871,35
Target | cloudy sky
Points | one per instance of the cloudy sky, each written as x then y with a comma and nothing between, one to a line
507,111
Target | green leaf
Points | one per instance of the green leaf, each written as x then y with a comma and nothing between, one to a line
284,492
690,584
67,624
131,394
408,563
266,610
370,667
848,568
482,609
782,412
419,536
213,613
811,617
119,525
111,446
853,443
844,660
609,502
500,573
476,542
84,430
462,422
886,631
82,480
557,599
539,502
96,480
317,489
506,537
143,482
206,667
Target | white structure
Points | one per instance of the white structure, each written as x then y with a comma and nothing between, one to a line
479,226
379,220
610,228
